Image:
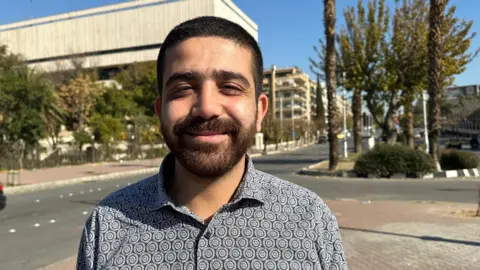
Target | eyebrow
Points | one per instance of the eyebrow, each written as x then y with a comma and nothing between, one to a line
222,75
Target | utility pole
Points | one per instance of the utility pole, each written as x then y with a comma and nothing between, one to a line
293,118
425,123
281,116
345,146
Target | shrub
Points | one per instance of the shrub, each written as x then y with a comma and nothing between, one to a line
386,160
457,160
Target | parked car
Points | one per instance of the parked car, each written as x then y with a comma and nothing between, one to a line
3,198
322,139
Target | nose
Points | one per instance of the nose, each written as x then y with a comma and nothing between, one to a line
207,104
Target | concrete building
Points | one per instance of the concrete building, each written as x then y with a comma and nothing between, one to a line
110,36
291,90
295,94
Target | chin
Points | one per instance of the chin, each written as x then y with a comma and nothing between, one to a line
209,164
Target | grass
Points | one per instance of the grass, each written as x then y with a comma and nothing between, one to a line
342,166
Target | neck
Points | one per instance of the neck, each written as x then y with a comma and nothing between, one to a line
205,196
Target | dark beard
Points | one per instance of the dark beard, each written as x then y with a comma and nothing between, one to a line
209,160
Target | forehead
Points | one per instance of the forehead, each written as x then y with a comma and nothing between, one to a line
204,54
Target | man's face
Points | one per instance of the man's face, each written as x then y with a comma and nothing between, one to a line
208,110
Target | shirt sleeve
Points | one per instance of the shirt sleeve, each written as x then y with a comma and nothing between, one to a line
87,257
328,239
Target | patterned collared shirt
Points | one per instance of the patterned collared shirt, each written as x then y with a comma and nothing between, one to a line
269,224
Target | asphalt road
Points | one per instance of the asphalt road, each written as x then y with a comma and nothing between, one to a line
47,224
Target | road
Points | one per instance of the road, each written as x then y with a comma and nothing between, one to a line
31,246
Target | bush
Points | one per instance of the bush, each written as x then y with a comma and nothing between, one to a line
457,160
386,160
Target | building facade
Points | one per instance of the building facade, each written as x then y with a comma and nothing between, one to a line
293,93
110,36
289,90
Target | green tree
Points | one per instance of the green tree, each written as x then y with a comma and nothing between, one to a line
366,61
107,129
78,98
25,98
409,57
140,80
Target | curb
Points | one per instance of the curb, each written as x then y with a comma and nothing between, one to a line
103,177
465,173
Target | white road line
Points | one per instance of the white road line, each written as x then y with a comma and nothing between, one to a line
99,189
12,230
36,225
61,196
37,200
81,192
70,194
85,212
52,221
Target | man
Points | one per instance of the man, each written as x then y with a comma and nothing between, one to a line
209,208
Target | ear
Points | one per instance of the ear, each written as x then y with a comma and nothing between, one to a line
262,107
158,106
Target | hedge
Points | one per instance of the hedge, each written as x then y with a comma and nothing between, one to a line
385,160
457,160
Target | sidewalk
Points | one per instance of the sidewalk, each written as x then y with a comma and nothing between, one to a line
31,180
398,235
29,177
408,235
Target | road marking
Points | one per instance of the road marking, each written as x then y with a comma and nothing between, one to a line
99,189
61,196
36,225
81,192
37,200
70,194
12,230
52,221
128,184
91,190
118,185
85,212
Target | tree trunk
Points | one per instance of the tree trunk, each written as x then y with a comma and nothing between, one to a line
357,119
389,131
408,106
329,22
434,77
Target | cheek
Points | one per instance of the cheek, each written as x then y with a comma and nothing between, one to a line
173,112
243,112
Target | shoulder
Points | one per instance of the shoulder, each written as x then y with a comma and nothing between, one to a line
288,193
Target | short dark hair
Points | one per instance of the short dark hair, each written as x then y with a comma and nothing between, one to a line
209,26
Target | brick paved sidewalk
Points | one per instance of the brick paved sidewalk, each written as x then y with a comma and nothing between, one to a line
409,235
28,177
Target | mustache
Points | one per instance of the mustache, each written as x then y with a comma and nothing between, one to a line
198,124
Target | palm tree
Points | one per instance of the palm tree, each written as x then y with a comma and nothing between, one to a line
330,67
437,8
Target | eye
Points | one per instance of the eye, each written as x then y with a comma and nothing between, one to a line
181,90
231,89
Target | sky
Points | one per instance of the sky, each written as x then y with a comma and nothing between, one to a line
288,29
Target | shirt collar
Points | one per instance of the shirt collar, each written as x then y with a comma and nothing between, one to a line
250,187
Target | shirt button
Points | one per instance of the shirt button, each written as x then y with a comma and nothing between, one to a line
208,234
